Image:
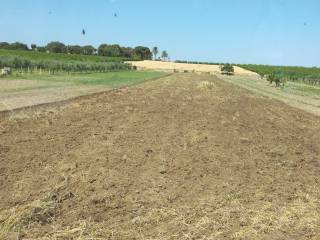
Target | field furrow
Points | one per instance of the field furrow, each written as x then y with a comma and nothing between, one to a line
184,157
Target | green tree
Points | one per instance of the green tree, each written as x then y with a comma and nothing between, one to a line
227,69
56,47
4,45
164,55
18,46
273,78
143,53
102,49
127,52
155,52
109,50
88,50
74,49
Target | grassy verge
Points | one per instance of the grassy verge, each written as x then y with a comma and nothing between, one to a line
109,79
302,89
28,89
294,88
296,94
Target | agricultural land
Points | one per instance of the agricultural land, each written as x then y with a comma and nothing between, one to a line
93,147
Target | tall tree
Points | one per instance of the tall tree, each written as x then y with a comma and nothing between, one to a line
109,50
155,52
56,47
88,50
164,55
143,53
127,52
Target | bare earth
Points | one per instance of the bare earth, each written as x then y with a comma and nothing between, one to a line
200,68
184,157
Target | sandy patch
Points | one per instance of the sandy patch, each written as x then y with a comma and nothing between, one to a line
180,67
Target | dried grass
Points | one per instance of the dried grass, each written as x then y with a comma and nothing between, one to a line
206,85
20,217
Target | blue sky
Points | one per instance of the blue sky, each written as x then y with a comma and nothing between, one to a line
282,32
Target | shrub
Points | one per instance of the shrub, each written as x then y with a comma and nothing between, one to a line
273,78
227,69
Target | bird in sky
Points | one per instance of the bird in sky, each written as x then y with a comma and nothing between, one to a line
83,32
115,15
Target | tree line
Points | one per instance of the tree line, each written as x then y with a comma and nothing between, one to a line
108,50
35,65
164,55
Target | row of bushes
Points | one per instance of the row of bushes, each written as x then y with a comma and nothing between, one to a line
33,55
53,65
309,75
114,50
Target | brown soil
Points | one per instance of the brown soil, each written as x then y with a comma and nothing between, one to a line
184,157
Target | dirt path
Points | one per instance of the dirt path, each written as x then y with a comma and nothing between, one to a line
184,157
47,94
302,100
